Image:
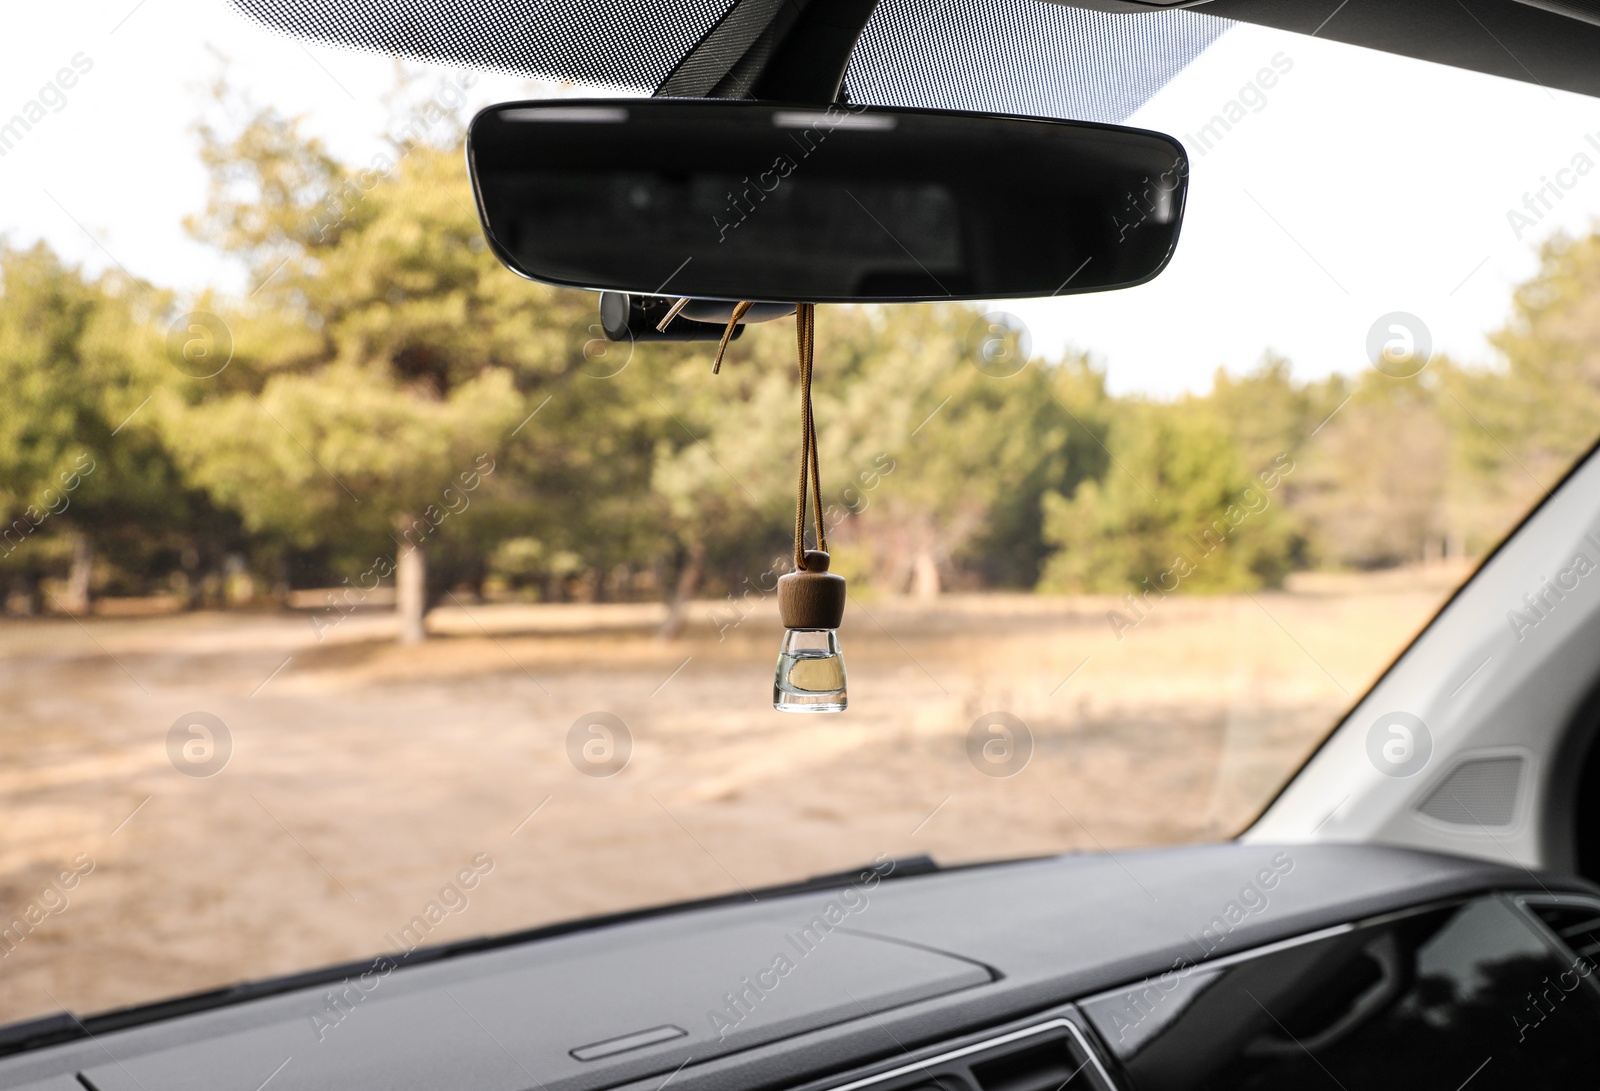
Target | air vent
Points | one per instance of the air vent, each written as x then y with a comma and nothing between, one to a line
1585,11
1046,1066
1578,926
1477,793
1052,1056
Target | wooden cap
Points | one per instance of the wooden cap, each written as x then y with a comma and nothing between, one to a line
813,597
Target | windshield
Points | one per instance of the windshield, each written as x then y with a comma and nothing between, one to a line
360,597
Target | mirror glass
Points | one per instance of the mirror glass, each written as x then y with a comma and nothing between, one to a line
718,199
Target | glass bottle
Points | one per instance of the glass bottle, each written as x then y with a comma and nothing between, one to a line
810,674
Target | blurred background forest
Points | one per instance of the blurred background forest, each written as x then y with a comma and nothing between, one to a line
388,405
383,416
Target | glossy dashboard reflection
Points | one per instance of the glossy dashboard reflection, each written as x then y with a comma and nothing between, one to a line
1480,991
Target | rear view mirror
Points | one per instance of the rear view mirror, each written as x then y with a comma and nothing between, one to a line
729,199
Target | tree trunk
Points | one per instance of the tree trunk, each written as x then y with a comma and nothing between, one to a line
694,566
410,590
925,575
282,583
78,596
189,560
238,584
25,591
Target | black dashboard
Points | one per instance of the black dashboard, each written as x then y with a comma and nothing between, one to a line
1202,967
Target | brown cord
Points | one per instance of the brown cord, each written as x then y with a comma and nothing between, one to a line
739,311
805,327
661,326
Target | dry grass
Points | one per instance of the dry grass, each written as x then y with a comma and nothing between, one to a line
365,775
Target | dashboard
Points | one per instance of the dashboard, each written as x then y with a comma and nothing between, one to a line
1223,966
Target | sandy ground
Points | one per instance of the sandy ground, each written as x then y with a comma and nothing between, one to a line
363,776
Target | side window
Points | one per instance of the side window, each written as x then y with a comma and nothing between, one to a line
1432,1000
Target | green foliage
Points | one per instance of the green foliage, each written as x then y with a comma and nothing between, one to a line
1266,411
1517,427
391,385
268,185
1179,507
392,357
77,457
1545,403
1373,492
971,451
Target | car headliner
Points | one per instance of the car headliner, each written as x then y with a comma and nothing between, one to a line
1115,52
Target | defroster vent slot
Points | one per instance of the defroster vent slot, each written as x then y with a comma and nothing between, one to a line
1576,923
1050,1056
1056,1064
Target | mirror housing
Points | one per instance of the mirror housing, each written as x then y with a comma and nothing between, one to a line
719,199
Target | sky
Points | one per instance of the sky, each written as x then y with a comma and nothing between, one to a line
1356,186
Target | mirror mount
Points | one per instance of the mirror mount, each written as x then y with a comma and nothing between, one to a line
628,317
809,64
798,54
